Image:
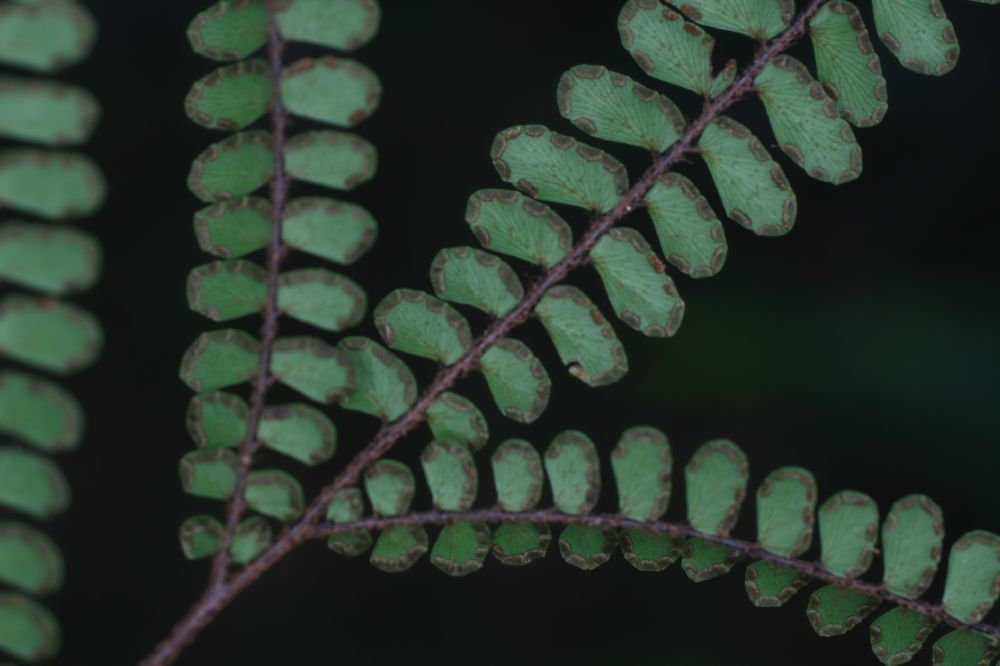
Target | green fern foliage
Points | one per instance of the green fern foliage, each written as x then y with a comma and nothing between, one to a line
42,176
715,483
811,118
552,175
237,222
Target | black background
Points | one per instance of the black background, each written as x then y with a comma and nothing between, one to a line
861,346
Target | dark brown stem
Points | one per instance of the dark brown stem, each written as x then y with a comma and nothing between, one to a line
269,328
743,548
219,595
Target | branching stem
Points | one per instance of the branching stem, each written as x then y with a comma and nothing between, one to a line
223,590
743,548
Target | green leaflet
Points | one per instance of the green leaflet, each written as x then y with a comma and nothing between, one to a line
313,368
51,335
338,231
704,560
39,412
398,548
587,547
339,24
472,277
510,223
53,260
517,475
918,33
641,293
716,480
29,560
235,227
53,185
233,167
786,511
911,545
383,385
231,97
219,359
299,431
209,473
461,548
770,585
44,37
518,381
670,49
612,106
454,418
337,91
806,123
970,588
451,474
390,487
753,188
898,635
647,550
217,420
518,544
964,648
347,506
225,290
761,19
585,341
848,530
229,29
331,159
47,112
847,65
325,299
275,494
554,167
642,464
28,630
690,235
834,611
574,472
31,484
417,323
251,538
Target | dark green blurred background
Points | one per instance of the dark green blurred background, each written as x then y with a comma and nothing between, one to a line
861,345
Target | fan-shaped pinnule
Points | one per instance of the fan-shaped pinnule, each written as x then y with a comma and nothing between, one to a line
670,49
357,373
47,185
918,33
847,64
553,167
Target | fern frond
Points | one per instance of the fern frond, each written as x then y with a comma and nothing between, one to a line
39,330
811,127
333,91
715,484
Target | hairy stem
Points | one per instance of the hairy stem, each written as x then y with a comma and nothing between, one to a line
217,591
269,327
220,594
743,548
